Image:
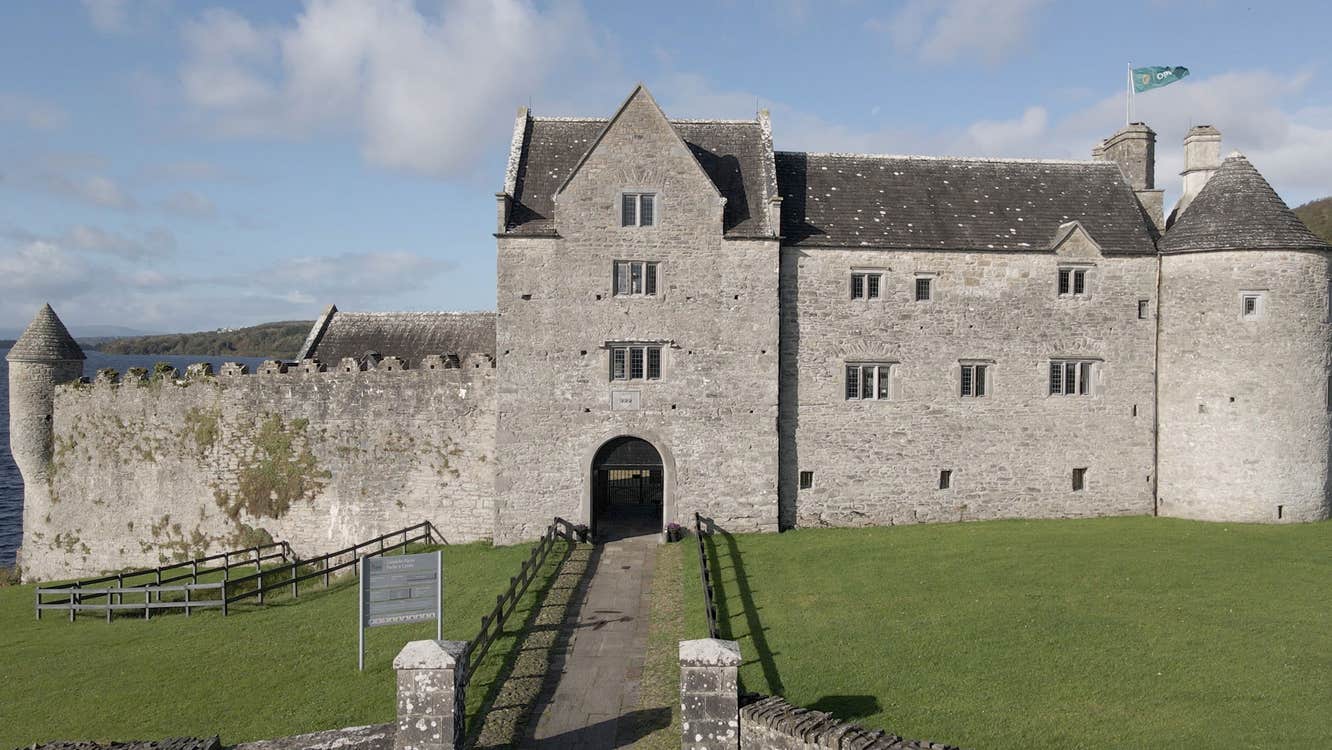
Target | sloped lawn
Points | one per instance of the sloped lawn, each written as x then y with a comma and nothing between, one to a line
286,668
1107,633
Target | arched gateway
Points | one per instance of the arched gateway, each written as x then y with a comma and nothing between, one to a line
628,488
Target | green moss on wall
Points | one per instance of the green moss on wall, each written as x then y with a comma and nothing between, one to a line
278,470
203,426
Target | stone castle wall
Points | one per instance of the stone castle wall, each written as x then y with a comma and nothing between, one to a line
1012,452
1244,410
713,413
146,471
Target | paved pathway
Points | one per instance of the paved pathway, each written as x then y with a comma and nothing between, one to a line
597,662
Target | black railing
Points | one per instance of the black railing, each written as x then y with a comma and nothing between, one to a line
325,565
82,595
267,577
492,624
709,601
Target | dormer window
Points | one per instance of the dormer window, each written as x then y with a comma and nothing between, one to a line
638,209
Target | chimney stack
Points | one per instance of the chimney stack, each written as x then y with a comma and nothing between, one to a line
1134,150
1202,157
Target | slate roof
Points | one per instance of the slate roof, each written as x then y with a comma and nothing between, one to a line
46,339
1238,210
732,152
410,336
915,203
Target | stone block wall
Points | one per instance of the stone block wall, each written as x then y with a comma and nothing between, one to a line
1011,453
713,413
1245,416
146,471
774,724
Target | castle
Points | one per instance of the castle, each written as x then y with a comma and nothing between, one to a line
688,320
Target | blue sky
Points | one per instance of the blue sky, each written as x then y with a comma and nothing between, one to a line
189,166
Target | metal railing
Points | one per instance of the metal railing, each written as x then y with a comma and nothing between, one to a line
492,624
325,565
82,595
709,598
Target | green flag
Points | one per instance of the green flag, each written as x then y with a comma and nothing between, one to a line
1145,79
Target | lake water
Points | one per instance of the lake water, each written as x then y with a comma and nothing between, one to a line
11,484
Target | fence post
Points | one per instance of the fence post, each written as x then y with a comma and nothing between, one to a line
430,695
148,600
120,584
74,601
709,695
187,601
295,593
157,580
226,575
37,600
325,564
194,571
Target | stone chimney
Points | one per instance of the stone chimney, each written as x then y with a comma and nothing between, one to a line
1134,150
1202,157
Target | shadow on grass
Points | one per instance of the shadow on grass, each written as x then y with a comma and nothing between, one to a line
848,707
512,697
730,550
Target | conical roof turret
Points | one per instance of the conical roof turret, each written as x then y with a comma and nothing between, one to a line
45,340
1238,210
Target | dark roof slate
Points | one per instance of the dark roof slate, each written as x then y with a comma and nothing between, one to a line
46,339
733,153
409,336
917,203
1238,210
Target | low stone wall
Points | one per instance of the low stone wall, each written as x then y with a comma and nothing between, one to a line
773,724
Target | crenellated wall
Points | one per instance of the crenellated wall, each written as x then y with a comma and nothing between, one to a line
149,468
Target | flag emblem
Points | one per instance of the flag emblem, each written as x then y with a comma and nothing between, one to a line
1145,79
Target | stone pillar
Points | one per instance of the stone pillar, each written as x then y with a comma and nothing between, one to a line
430,696
709,695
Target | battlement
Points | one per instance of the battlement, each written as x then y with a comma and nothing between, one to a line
203,371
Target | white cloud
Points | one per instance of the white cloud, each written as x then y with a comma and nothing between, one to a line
123,16
356,276
31,113
108,16
425,91
189,204
141,245
1263,114
937,31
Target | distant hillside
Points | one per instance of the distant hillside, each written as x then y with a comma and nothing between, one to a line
1318,215
276,340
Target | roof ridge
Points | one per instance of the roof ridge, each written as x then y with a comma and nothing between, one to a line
672,120
921,157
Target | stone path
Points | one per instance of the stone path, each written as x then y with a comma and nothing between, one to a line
597,662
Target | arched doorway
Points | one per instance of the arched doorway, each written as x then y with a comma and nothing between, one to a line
628,487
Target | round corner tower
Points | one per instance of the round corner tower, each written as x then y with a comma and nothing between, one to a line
42,358
1243,380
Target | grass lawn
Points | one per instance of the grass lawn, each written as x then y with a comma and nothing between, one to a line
283,669
1117,632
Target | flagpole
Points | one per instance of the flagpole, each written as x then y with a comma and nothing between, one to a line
1128,98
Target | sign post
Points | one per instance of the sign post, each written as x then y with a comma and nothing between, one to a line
399,589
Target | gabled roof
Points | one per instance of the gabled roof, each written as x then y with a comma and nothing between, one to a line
733,154
1238,210
45,340
409,336
640,93
922,203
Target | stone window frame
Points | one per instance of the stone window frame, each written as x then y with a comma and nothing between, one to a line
638,194
1075,271
881,391
987,380
1087,380
1259,299
932,288
625,365
656,278
866,273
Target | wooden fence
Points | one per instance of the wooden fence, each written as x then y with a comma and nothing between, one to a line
709,600
492,624
274,567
